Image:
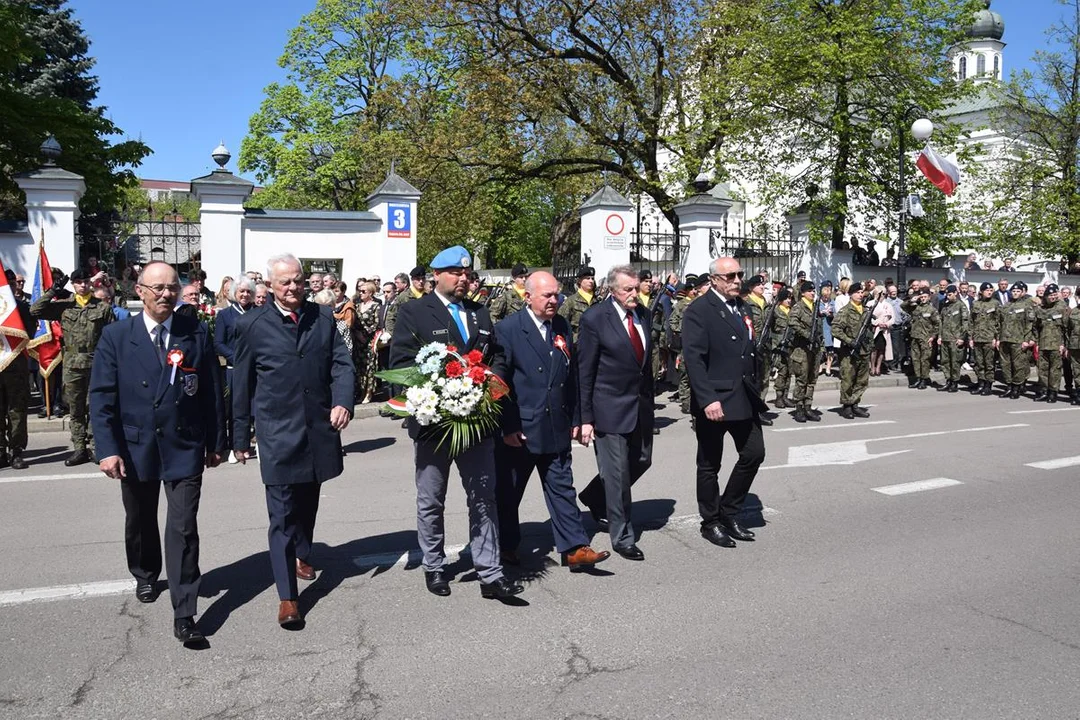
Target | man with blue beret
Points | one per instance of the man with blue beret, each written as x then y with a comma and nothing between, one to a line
447,316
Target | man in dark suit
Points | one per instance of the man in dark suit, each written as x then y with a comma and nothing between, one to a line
538,423
158,418
1002,295
718,349
615,384
243,291
292,363
447,316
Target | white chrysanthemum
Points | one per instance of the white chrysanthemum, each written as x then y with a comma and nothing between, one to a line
429,359
422,403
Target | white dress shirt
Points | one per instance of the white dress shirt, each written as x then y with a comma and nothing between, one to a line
621,311
152,326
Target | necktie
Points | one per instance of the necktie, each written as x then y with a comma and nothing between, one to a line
295,317
455,312
548,334
635,339
160,342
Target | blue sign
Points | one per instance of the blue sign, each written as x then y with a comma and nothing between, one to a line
399,220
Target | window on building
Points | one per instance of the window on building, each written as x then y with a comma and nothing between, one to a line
980,64
963,68
997,67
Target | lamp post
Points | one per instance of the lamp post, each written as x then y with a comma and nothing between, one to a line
921,129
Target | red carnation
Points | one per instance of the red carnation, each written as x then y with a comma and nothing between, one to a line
454,369
476,374
451,348
475,357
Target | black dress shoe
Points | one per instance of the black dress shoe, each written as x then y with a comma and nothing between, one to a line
735,530
631,553
185,631
79,457
501,588
716,535
763,419
146,592
17,462
436,583
601,522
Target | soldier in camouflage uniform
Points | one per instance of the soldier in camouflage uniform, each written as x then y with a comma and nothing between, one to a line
1072,347
925,327
953,338
806,328
512,298
1051,323
688,295
984,325
854,364
780,349
1014,337
15,390
82,318
575,306
758,308
415,291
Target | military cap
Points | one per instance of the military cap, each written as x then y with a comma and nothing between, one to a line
691,280
418,272
644,275
1018,286
702,280
585,272
806,287
783,295
854,287
826,284
80,274
517,271
800,274
986,286
951,289
1052,288
453,257
754,281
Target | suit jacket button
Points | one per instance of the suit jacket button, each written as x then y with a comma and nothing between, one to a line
734,338
305,391
540,369
157,405
301,354
159,432
144,384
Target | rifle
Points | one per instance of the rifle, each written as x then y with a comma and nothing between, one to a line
766,330
814,339
785,341
864,328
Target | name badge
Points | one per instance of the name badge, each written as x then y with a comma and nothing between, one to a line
1018,310
990,310
440,332
1056,317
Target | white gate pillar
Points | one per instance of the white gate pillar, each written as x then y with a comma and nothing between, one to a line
699,215
52,207
395,202
605,230
221,197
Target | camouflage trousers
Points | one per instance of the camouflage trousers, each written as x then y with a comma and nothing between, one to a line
76,392
984,361
921,352
14,398
804,368
783,375
684,388
854,377
952,357
1049,368
1015,365
765,366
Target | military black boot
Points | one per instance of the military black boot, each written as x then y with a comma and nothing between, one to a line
78,457
988,388
846,413
1015,392
954,386
1051,396
17,462
976,388
813,415
780,402
924,383
1040,395
859,411
1076,397
913,383
800,414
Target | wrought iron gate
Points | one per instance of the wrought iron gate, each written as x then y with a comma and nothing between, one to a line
120,241
659,252
774,251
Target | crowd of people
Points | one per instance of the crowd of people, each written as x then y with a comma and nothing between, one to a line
196,377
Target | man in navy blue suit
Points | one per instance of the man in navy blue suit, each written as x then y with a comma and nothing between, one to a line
158,418
615,384
243,299
539,422
293,368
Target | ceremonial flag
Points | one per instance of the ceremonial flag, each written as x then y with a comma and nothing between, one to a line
12,332
45,344
938,170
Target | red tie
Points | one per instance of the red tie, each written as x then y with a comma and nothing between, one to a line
635,339
295,317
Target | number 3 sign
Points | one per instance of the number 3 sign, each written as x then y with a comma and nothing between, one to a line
399,220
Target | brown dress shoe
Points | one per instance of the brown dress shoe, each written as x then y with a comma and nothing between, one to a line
288,615
304,571
584,557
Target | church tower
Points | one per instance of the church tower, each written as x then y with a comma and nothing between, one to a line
979,57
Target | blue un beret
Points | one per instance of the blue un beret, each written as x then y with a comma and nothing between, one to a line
452,258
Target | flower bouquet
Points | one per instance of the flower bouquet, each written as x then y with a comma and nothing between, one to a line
207,313
457,394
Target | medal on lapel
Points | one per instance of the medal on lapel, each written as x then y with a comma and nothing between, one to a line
749,326
175,357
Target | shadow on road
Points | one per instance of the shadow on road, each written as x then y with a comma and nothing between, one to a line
363,446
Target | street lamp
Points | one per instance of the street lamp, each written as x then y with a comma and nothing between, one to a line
921,129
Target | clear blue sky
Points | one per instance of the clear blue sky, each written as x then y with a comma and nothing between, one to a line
184,75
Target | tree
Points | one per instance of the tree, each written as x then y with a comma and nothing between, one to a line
1034,187
46,88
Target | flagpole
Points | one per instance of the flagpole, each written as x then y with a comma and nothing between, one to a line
48,405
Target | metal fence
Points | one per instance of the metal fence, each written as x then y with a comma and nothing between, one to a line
659,252
775,252
119,241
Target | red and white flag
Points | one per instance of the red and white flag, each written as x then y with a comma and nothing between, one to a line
938,170
13,336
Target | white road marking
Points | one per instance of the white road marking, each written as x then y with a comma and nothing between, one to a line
66,592
39,478
1055,464
849,452
833,426
917,486
1042,410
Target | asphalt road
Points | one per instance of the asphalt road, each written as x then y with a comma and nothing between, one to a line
954,599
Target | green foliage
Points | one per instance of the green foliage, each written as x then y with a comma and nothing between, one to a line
46,88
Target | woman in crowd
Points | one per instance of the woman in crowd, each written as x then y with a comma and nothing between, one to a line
883,320
224,294
839,302
827,308
344,313
367,323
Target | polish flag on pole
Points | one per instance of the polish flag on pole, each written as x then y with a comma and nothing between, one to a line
938,170
45,345
12,331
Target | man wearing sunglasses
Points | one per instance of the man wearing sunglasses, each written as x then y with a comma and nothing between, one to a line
720,358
